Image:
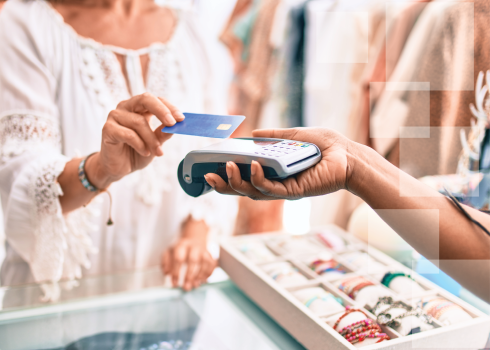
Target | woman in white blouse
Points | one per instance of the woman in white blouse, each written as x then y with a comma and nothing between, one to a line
65,68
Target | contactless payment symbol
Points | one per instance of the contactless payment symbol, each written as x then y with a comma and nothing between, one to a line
223,127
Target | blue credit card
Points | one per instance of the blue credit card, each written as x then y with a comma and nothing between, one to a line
206,125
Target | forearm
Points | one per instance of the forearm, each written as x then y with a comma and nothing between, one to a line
196,230
427,220
75,195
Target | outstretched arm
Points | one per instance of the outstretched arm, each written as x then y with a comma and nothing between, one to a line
427,220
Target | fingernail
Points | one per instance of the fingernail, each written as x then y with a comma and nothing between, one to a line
182,115
252,168
170,118
228,169
210,181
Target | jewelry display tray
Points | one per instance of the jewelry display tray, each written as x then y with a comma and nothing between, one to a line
310,329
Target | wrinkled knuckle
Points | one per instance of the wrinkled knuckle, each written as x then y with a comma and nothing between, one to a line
113,114
107,128
266,191
179,258
147,95
121,104
138,120
193,259
129,136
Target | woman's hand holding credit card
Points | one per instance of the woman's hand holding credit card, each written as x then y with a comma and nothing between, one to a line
206,125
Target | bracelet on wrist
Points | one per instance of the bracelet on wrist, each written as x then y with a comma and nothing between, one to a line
82,176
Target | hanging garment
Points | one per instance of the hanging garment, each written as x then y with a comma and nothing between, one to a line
252,75
357,128
294,67
401,18
337,43
242,13
283,106
447,48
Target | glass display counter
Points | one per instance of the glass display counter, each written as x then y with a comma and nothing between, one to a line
126,313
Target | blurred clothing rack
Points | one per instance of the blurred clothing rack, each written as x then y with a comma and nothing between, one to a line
366,68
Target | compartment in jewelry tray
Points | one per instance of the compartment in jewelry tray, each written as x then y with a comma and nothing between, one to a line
319,299
362,289
335,239
284,273
310,329
362,262
304,244
358,316
444,311
401,316
402,282
256,251
324,265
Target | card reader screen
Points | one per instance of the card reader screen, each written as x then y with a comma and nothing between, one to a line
261,147
266,143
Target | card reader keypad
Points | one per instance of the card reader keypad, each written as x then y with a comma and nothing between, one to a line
281,149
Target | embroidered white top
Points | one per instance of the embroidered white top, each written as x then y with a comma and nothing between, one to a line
57,89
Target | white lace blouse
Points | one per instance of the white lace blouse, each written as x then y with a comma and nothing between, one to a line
56,90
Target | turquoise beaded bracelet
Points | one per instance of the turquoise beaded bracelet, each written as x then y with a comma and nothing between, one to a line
83,177
390,276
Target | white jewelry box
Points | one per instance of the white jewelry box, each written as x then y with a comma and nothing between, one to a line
311,329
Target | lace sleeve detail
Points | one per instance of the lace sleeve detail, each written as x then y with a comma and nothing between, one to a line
55,246
62,244
22,132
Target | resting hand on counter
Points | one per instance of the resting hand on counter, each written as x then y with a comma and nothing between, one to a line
191,250
424,218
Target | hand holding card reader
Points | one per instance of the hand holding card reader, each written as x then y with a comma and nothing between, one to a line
279,158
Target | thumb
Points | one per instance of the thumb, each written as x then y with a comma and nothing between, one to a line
161,136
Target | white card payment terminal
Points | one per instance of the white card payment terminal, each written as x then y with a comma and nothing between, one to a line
279,158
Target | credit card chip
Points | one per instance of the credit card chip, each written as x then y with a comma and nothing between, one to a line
223,127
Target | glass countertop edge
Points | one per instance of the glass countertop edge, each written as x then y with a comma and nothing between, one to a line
94,302
253,315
